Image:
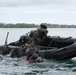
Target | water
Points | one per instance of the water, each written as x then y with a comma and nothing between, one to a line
14,66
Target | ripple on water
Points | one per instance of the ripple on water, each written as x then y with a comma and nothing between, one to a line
14,66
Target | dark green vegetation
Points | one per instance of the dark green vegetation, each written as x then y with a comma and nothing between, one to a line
25,25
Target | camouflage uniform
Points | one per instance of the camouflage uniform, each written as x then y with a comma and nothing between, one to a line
37,36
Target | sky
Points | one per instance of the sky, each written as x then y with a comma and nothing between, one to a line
38,11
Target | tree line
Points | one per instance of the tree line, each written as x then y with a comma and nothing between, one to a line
25,25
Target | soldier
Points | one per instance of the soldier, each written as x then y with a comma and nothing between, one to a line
39,34
32,54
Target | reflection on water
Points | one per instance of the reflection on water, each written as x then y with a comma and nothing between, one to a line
14,66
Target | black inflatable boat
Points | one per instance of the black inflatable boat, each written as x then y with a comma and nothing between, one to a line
59,48
54,47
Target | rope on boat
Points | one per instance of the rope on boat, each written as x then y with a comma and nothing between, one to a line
45,47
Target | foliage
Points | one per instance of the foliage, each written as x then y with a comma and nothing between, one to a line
25,25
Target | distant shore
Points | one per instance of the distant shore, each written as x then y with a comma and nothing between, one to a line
25,25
